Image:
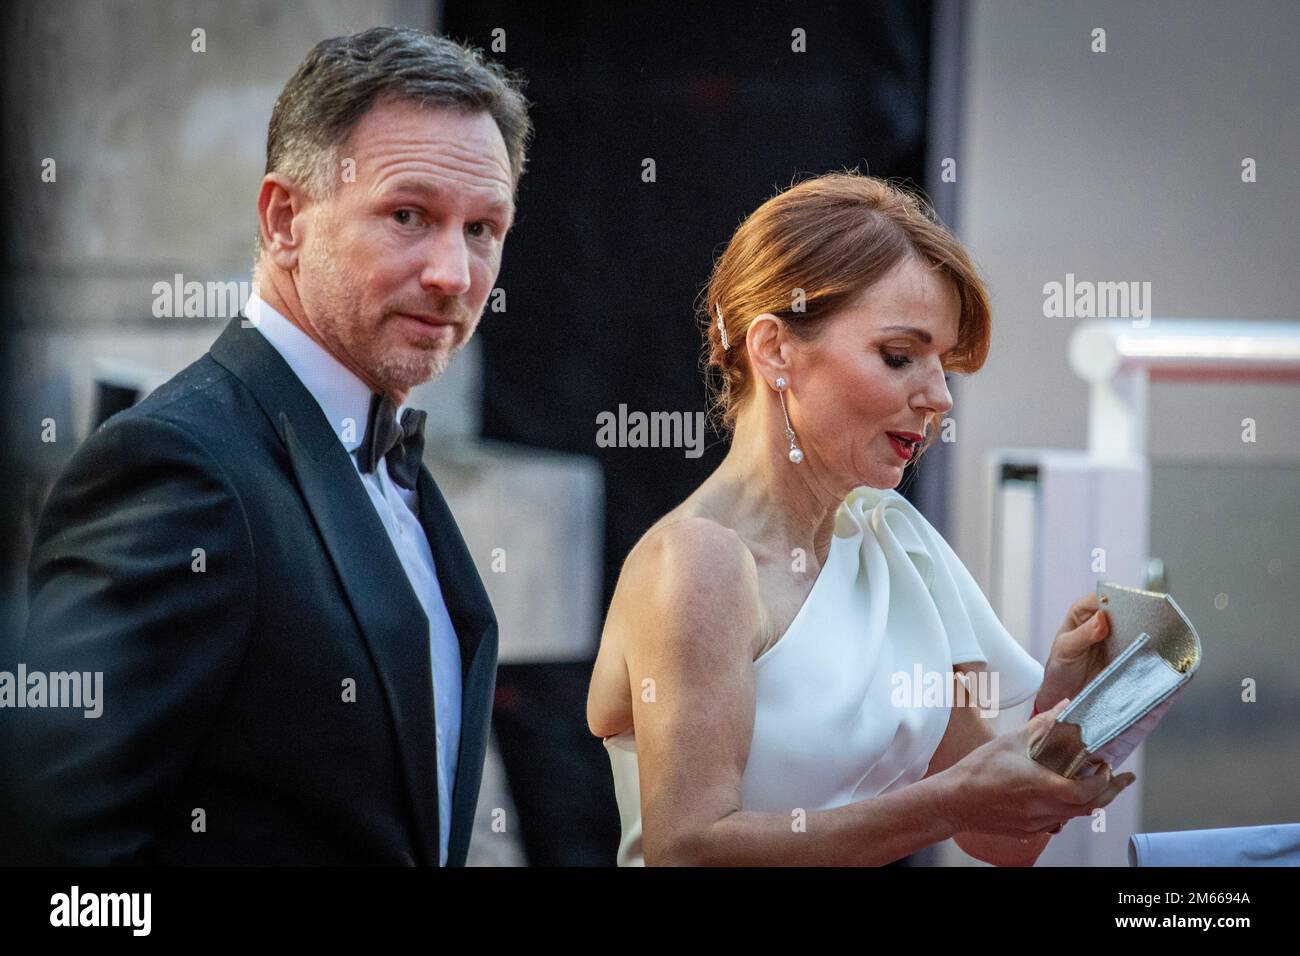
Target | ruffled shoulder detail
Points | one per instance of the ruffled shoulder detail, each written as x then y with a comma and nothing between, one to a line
973,631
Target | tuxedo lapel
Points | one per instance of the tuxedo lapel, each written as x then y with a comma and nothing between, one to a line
391,619
476,631
467,601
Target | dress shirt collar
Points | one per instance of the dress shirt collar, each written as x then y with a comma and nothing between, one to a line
342,396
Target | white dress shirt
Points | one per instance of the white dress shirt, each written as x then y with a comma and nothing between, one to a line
345,400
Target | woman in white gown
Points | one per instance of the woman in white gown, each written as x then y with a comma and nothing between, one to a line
775,682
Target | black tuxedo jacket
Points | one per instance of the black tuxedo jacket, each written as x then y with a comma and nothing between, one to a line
268,699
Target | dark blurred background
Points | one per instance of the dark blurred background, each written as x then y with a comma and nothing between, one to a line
603,269
601,273
1122,164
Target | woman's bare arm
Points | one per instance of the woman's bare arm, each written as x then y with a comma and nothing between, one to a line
691,617
966,731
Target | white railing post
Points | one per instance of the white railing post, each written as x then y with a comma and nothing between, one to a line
1063,520
1119,358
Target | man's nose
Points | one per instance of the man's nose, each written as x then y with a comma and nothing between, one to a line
447,266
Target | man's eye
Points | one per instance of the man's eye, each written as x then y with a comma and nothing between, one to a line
479,229
404,217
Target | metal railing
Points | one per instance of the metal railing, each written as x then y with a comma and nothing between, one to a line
1119,359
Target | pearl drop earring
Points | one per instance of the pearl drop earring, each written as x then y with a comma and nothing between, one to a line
796,453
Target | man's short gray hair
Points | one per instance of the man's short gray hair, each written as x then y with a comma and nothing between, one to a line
343,77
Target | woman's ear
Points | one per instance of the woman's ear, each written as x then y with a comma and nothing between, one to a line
765,342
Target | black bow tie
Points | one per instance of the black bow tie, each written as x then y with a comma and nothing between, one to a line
402,445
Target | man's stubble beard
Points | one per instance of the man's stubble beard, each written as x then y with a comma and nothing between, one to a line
338,321
404,370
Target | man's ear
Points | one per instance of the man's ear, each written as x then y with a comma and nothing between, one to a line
767,343
280,206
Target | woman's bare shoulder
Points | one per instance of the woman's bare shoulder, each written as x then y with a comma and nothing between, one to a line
688,576
692,552
688,589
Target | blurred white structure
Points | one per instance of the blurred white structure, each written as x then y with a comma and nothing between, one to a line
1063,520
1119,360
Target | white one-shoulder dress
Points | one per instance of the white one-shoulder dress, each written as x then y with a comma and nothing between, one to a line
848,703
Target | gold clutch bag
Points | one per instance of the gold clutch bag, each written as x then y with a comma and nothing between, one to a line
1134,676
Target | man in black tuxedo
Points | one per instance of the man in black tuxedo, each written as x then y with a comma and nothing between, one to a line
298,655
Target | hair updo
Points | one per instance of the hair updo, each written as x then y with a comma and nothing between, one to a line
829,238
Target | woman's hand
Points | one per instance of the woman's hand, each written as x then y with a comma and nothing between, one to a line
999,788
1066,670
